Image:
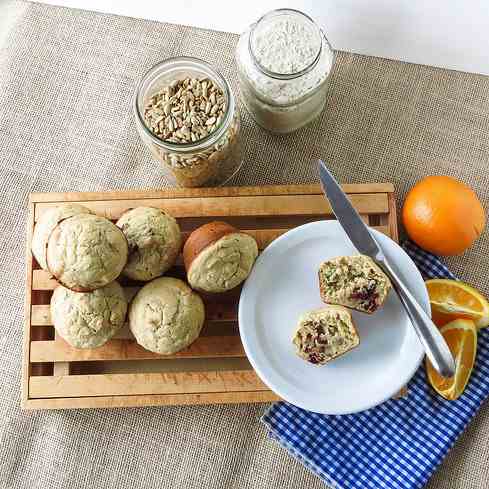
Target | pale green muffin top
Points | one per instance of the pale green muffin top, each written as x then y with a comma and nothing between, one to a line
154,240
88,319
224,264
45,225
166,315
86,252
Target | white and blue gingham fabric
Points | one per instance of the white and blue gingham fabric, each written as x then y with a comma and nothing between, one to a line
398,444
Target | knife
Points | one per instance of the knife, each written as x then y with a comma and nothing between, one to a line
430,337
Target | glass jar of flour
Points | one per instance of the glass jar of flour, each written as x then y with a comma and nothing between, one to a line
284,64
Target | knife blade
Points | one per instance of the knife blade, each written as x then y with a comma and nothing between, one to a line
362,239
348,216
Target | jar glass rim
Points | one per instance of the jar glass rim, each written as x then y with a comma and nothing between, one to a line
182,62
297,74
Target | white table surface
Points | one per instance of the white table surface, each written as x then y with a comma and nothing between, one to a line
446,33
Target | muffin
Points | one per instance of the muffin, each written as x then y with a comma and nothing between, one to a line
166,315
154,241
353,281
45,225
88,319
86,252
325,334
218,257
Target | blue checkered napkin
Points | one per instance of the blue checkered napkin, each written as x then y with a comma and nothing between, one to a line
429,265
398,444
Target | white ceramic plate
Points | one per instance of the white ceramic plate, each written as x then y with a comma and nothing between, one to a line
284,284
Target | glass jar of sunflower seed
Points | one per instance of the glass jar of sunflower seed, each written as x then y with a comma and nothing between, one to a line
187,116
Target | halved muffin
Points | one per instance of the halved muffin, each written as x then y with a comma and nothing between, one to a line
324,334
353,281
218,257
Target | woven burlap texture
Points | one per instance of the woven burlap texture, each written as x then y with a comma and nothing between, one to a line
66,82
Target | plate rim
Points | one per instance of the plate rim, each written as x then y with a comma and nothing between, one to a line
366,405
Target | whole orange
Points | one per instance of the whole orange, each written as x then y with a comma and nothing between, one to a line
442,215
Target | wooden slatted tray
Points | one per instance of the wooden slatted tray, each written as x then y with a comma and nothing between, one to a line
214,368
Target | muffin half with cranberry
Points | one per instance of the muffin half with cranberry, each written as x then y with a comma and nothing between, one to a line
324,334
356,282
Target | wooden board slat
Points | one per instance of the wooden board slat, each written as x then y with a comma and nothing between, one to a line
214,312
43,280
212,207
119,401
128,349
392,218
59,368
41,315
145,383
27,307
121,373
170,193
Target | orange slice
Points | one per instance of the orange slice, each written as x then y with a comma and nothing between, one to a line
461,337
451,299
441,318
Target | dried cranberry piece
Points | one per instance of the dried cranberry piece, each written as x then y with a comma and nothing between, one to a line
365,293
371,305
360,294
313,358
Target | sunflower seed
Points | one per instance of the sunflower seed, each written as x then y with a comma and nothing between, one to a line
185,110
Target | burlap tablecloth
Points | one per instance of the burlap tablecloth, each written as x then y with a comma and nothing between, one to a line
66,81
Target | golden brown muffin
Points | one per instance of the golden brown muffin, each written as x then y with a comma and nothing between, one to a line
218,257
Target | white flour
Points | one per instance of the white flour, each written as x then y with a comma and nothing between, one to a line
284,44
